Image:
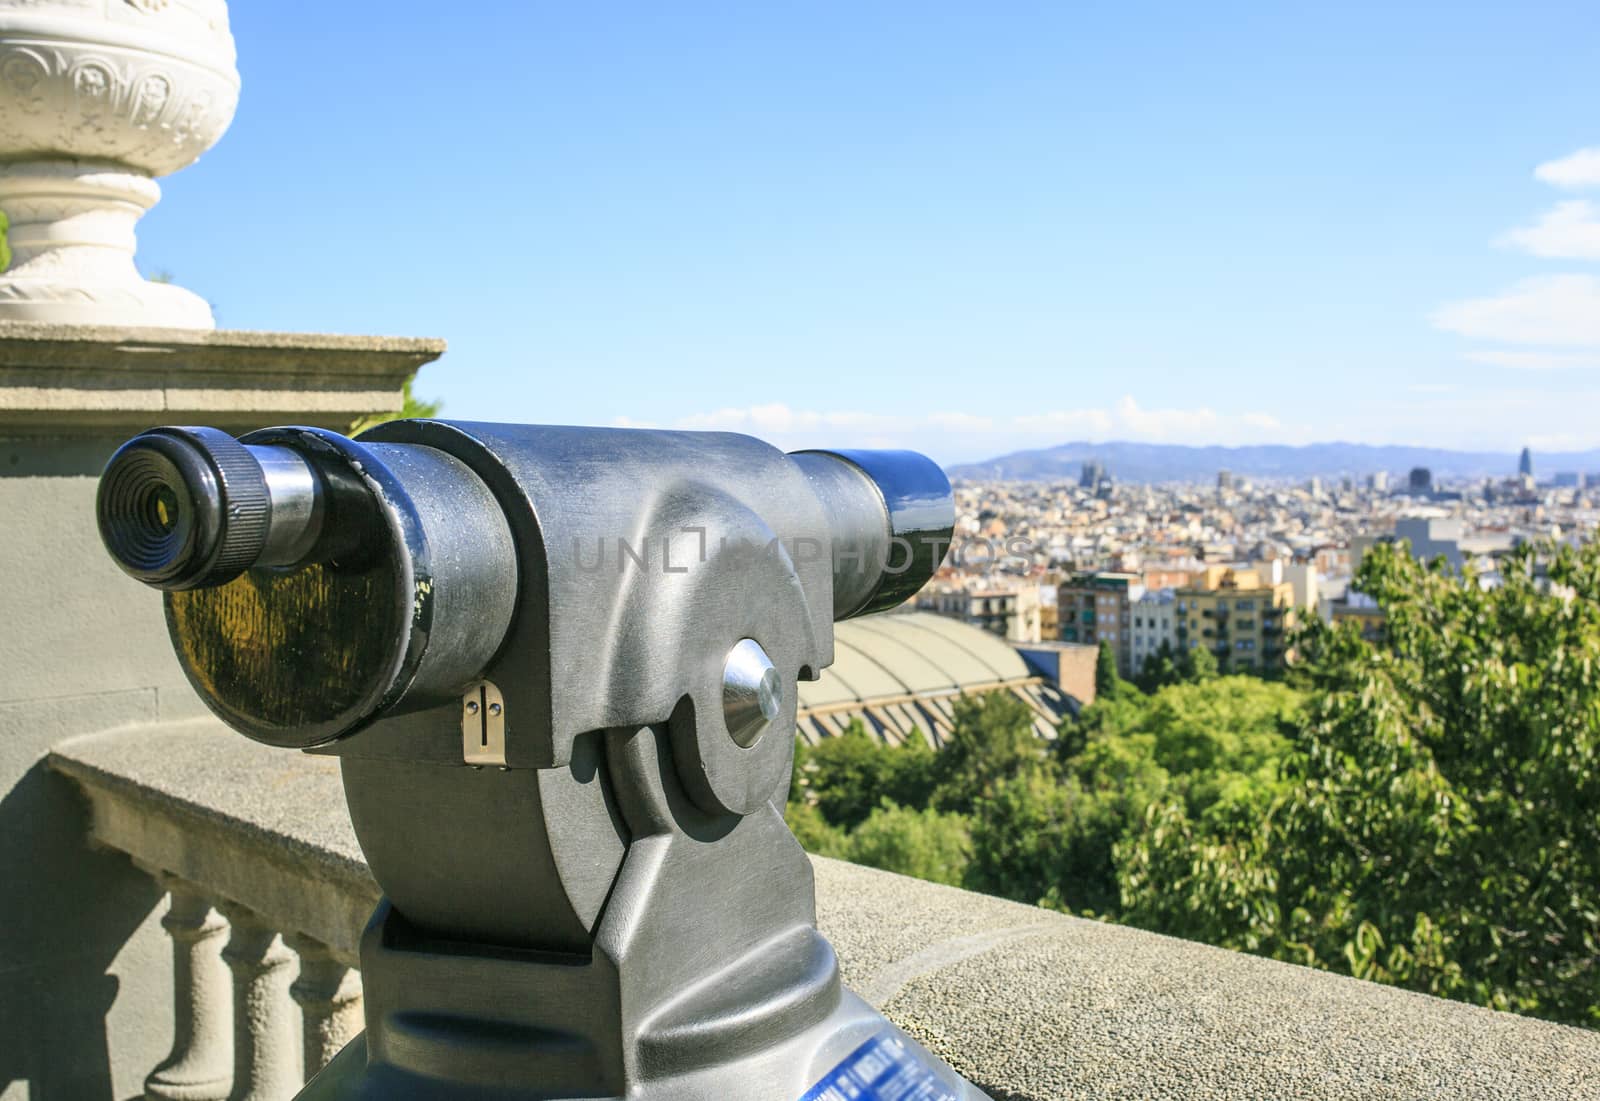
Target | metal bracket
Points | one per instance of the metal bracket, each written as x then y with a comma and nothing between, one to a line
483,725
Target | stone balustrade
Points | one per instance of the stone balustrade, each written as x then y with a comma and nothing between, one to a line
267,894
266,901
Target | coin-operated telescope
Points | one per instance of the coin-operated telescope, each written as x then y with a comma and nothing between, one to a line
559,668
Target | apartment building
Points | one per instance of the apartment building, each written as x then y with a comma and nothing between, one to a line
1098,607
1169,577
1359,608
1154,625
1013,614
1238,615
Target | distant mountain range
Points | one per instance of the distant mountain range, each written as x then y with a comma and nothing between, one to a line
1158,462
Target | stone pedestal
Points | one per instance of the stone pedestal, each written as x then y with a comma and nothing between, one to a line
97,98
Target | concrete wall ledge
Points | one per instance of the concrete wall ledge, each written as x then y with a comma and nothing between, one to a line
1031,1005
55,377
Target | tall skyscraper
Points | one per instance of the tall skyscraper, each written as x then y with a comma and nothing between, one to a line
1421,481
1525,464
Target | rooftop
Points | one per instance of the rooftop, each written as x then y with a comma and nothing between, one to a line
900,673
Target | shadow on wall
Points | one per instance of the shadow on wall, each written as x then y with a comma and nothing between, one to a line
65,913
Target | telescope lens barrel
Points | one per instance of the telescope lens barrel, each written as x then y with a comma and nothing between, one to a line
398,575
892,517
190,508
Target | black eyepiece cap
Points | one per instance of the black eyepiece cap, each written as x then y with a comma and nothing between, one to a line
183,508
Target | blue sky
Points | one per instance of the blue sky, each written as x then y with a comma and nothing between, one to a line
961,227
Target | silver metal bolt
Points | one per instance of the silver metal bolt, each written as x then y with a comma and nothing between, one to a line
494,709
472,707
752,692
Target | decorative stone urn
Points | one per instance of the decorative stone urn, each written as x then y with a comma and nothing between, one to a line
98,97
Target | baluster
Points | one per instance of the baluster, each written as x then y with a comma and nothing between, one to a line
200,1067
266,1040
329,995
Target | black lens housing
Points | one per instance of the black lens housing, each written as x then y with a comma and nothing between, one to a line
183,508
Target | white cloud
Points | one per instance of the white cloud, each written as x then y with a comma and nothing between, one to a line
1551,309
970,435
1166,424
1434,414
1499,419
1064,423
1561,441
777,419
1128,420
961,422
1574,171
1569,231
1537,361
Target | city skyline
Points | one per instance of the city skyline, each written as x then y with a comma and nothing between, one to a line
924,225
1144,463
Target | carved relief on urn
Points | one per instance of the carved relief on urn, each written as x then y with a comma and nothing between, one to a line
98,97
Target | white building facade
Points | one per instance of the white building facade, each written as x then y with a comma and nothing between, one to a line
1153,622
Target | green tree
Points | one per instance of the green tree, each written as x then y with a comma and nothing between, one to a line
849,775
411,407
1107,681
814,832
1047,841
1210,881
1198,663
992,739
924,843
1191,742
1160,669
1438,829
1022,838
1213,734
1117,712
1221,725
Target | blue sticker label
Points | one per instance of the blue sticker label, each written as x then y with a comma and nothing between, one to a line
887,1067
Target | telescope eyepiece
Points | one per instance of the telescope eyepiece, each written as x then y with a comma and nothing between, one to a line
184,508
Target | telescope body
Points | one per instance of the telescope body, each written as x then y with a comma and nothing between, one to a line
559,667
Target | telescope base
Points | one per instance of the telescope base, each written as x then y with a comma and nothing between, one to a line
856,1050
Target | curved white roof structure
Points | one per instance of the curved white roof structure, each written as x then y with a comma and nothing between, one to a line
898,673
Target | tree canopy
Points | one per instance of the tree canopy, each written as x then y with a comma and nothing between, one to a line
1422,810
1436,826
1043,820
